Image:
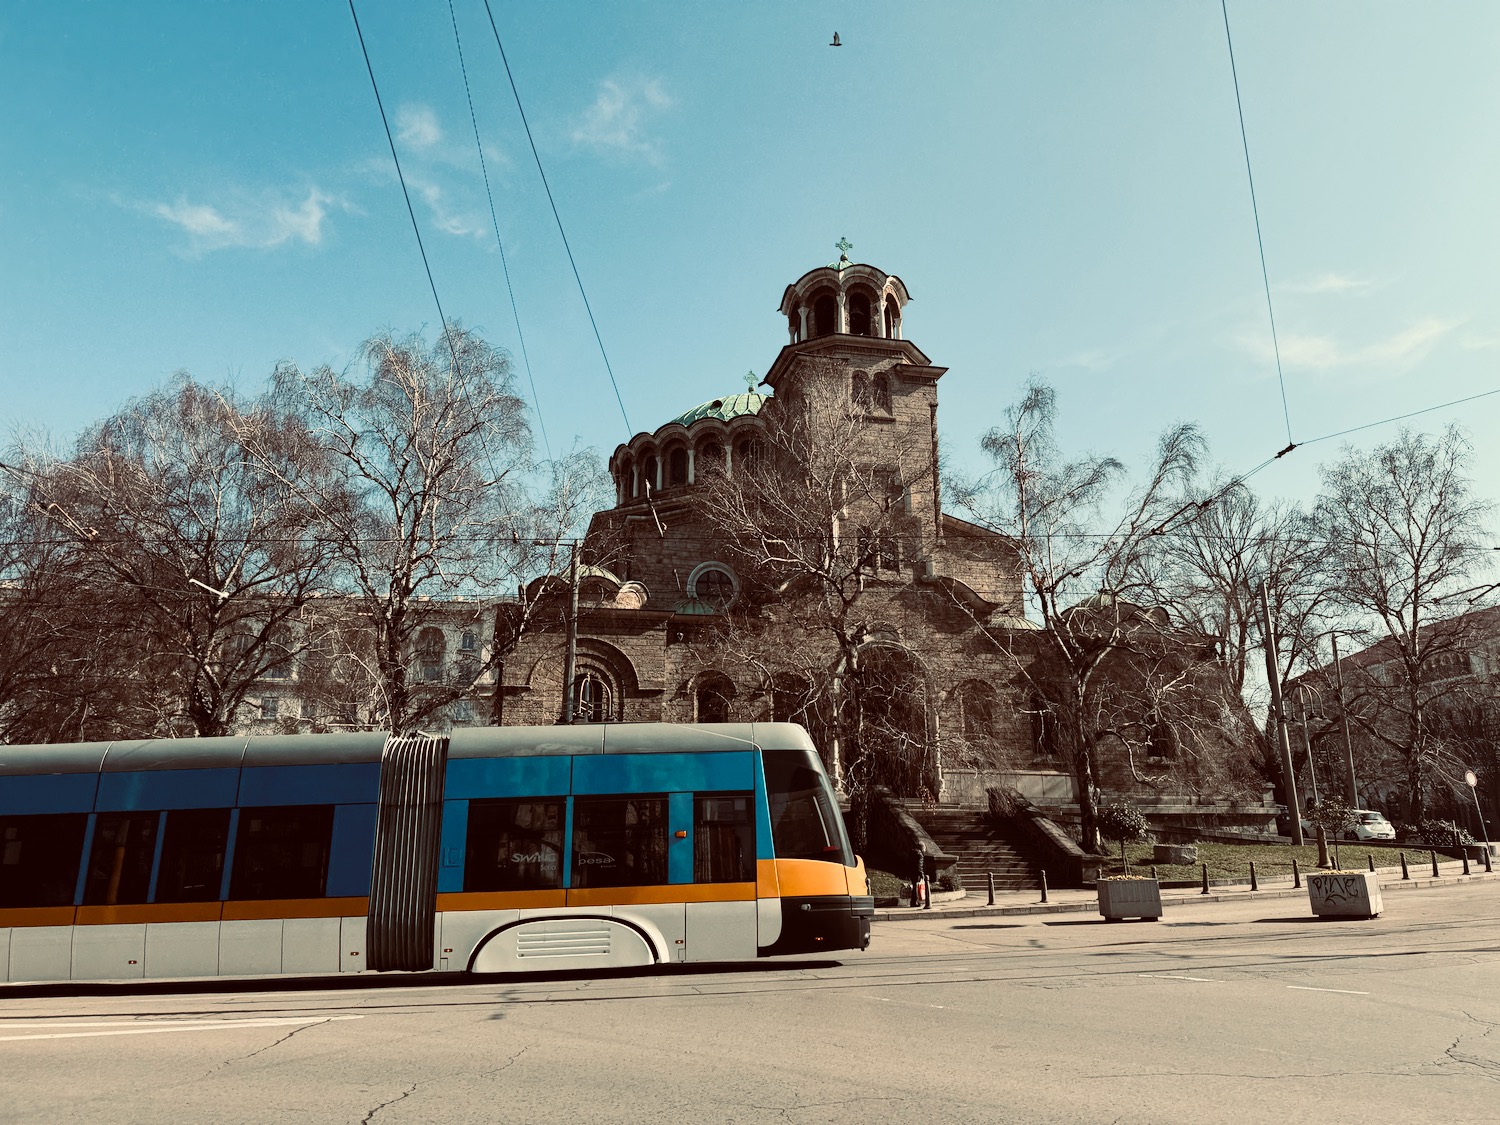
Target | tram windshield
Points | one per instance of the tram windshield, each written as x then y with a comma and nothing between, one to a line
805,820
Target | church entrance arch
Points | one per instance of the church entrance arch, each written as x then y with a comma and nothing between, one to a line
894,731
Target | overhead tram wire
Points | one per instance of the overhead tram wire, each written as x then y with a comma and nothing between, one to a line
1259,241
406,194
629,430
536,402
1202,505
416,230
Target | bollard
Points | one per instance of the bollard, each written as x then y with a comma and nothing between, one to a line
1405,874
1253,885
1296,875
1466,861
1205,879
1044,886
1153,871
1433,854
1371,857
991,876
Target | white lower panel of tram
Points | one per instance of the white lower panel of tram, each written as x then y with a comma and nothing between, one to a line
495,940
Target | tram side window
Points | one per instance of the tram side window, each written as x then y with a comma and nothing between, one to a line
192,855
120,859
723,839
282,852
619,841
514,846
39,858
805,821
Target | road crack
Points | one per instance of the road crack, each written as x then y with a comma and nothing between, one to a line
399,1098
262,1050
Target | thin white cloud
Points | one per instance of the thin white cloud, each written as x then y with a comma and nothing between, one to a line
199,220
446,218
1324,353
255,224
618,121
1328,283
417,126
1093,360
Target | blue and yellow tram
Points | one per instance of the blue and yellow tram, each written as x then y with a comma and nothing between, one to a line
509,849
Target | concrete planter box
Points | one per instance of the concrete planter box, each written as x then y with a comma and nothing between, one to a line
1129,898
1344,894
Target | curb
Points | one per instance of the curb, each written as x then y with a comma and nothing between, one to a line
917,914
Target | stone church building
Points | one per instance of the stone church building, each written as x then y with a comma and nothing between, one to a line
940,615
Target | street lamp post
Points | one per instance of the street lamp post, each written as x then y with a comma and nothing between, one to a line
1351,788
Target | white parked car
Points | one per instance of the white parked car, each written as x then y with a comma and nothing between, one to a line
1371,826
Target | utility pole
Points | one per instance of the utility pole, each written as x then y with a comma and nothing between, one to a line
571,658
1351,790
1283,742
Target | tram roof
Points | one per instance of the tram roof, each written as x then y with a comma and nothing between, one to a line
365,746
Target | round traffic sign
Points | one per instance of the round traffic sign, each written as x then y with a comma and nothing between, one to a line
1470,778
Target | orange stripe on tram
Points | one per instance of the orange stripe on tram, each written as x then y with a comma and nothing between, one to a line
297,908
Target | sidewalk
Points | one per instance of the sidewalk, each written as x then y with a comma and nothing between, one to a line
1067,900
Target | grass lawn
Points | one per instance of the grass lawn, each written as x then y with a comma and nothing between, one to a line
1232,861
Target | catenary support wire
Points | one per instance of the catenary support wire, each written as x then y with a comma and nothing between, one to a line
1255,211
629,430
536,402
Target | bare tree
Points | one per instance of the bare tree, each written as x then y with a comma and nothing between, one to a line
1401,526
169,522
1054,512
818,517
422,496
1214,554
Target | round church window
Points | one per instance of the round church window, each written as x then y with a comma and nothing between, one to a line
715,585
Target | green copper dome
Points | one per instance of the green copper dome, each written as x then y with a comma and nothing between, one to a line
731,406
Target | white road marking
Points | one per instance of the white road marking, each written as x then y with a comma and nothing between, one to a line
1169,976
98,1029
1309,988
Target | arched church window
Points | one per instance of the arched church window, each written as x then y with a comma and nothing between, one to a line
892,318
747,453
1043,730
711,698
791,699
593,697
825,315
649,482
859,391
710,458
880,392
978,711
859,314
677,466
624,479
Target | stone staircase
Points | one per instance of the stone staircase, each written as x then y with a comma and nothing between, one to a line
980,847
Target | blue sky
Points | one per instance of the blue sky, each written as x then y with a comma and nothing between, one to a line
206,186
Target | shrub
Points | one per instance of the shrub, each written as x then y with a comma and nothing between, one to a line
1004,802
1124,824
1444,834
1334,817
950,880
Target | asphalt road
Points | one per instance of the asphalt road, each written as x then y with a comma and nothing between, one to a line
1220,1012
